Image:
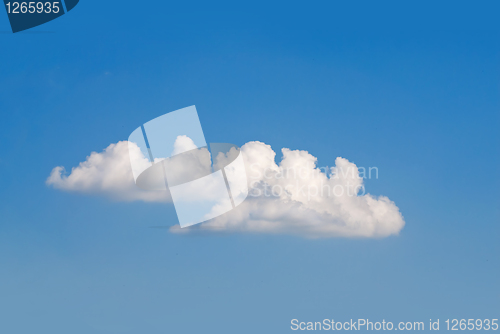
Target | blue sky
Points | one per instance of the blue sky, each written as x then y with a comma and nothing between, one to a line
410,89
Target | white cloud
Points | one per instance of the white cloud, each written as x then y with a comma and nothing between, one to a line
296,197
183,144
108,173
292,197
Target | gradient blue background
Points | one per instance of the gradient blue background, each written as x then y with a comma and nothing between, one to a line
412,89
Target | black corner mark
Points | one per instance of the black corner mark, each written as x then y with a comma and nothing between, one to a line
28,14
70,4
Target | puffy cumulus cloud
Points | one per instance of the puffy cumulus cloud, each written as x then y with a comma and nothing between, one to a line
292,197
108,173
296,197
182,144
